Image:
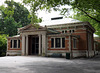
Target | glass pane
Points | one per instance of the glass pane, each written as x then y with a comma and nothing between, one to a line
15,43
11,44
52,42
37,40
74,43
18,43
63,42
66,31
57,42
62,31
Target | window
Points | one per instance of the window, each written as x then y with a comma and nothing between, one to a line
71,31
52,42
63,42
57,42
65,31
15,43
11,44
74,43
18,43
62,31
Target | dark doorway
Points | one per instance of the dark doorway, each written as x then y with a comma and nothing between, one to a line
33,45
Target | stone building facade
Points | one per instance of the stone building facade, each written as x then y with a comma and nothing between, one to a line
75,38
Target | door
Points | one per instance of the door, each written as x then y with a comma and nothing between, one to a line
35,45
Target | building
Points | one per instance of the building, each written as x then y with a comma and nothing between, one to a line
57,36
97,44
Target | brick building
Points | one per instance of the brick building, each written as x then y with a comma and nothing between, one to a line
54,37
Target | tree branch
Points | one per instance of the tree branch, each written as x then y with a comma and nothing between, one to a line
89,15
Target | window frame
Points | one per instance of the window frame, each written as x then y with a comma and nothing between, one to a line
17,46
74,43
60,43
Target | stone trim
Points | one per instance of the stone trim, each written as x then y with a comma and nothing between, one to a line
71,24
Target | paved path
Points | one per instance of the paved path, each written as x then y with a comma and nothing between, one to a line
33,64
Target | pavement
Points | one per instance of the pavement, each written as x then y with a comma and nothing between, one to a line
35,64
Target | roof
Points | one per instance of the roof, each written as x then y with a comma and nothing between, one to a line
52,31
58,21
16,36
31,27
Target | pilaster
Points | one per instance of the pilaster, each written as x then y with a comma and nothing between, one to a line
39,44
26,44
23,44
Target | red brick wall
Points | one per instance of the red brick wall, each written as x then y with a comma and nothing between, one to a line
81,43
9,45
66,44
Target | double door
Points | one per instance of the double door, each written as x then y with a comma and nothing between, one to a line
35,45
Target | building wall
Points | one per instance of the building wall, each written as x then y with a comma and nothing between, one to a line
82,42
62,51
14,51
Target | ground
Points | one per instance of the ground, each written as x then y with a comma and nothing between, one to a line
34,64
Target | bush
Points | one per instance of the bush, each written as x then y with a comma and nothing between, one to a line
3,45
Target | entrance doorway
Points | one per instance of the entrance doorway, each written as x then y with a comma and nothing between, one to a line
33,45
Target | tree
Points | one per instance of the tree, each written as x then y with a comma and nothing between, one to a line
21,14
89,8
10,26
12,17
3,44
82,17
85,6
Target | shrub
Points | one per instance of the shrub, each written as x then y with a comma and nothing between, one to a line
3,45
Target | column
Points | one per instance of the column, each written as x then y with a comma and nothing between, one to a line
39,44
44,49
26,44
23,44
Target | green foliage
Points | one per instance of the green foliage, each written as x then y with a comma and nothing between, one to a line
12,17
21,14
10,26
89,12
3,44
35,5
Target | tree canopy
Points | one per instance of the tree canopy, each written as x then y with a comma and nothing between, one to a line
12,17
89,9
